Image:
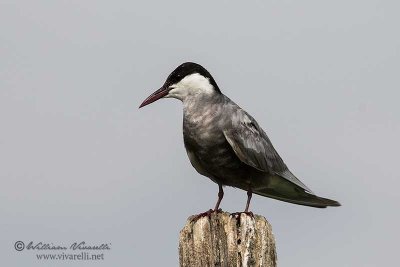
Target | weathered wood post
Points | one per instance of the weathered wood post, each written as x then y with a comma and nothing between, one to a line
227,240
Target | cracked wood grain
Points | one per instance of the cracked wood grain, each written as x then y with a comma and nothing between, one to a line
227,240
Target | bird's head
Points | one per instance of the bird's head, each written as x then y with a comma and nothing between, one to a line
187,79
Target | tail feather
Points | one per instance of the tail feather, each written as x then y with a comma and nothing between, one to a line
284,190
301,199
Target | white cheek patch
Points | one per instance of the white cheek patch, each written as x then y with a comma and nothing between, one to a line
198,83
193,84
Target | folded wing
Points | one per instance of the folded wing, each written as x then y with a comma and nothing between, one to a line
253,147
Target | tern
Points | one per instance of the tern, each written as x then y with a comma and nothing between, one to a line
227,145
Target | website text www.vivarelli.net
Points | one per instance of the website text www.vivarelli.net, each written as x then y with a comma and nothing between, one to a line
83,256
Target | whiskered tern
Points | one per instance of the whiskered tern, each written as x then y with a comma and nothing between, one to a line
226,144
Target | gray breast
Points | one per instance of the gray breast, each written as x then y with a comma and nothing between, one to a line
207,148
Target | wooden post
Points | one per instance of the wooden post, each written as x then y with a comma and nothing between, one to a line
227,240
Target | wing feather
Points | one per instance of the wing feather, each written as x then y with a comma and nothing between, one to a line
253,147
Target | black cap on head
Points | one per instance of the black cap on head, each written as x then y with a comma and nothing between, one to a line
188,68
176,76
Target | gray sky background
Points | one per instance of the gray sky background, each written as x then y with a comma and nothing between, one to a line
79,161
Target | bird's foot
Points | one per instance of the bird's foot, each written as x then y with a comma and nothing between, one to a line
248,213
204,214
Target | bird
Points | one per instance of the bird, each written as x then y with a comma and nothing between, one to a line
227,145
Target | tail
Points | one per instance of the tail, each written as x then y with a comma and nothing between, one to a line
305,200
284,190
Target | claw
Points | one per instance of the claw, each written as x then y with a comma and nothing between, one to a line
201,215
204,214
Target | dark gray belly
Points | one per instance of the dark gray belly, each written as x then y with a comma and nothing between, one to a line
212,156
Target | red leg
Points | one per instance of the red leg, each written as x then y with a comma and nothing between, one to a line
216,209
249,195
220,196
